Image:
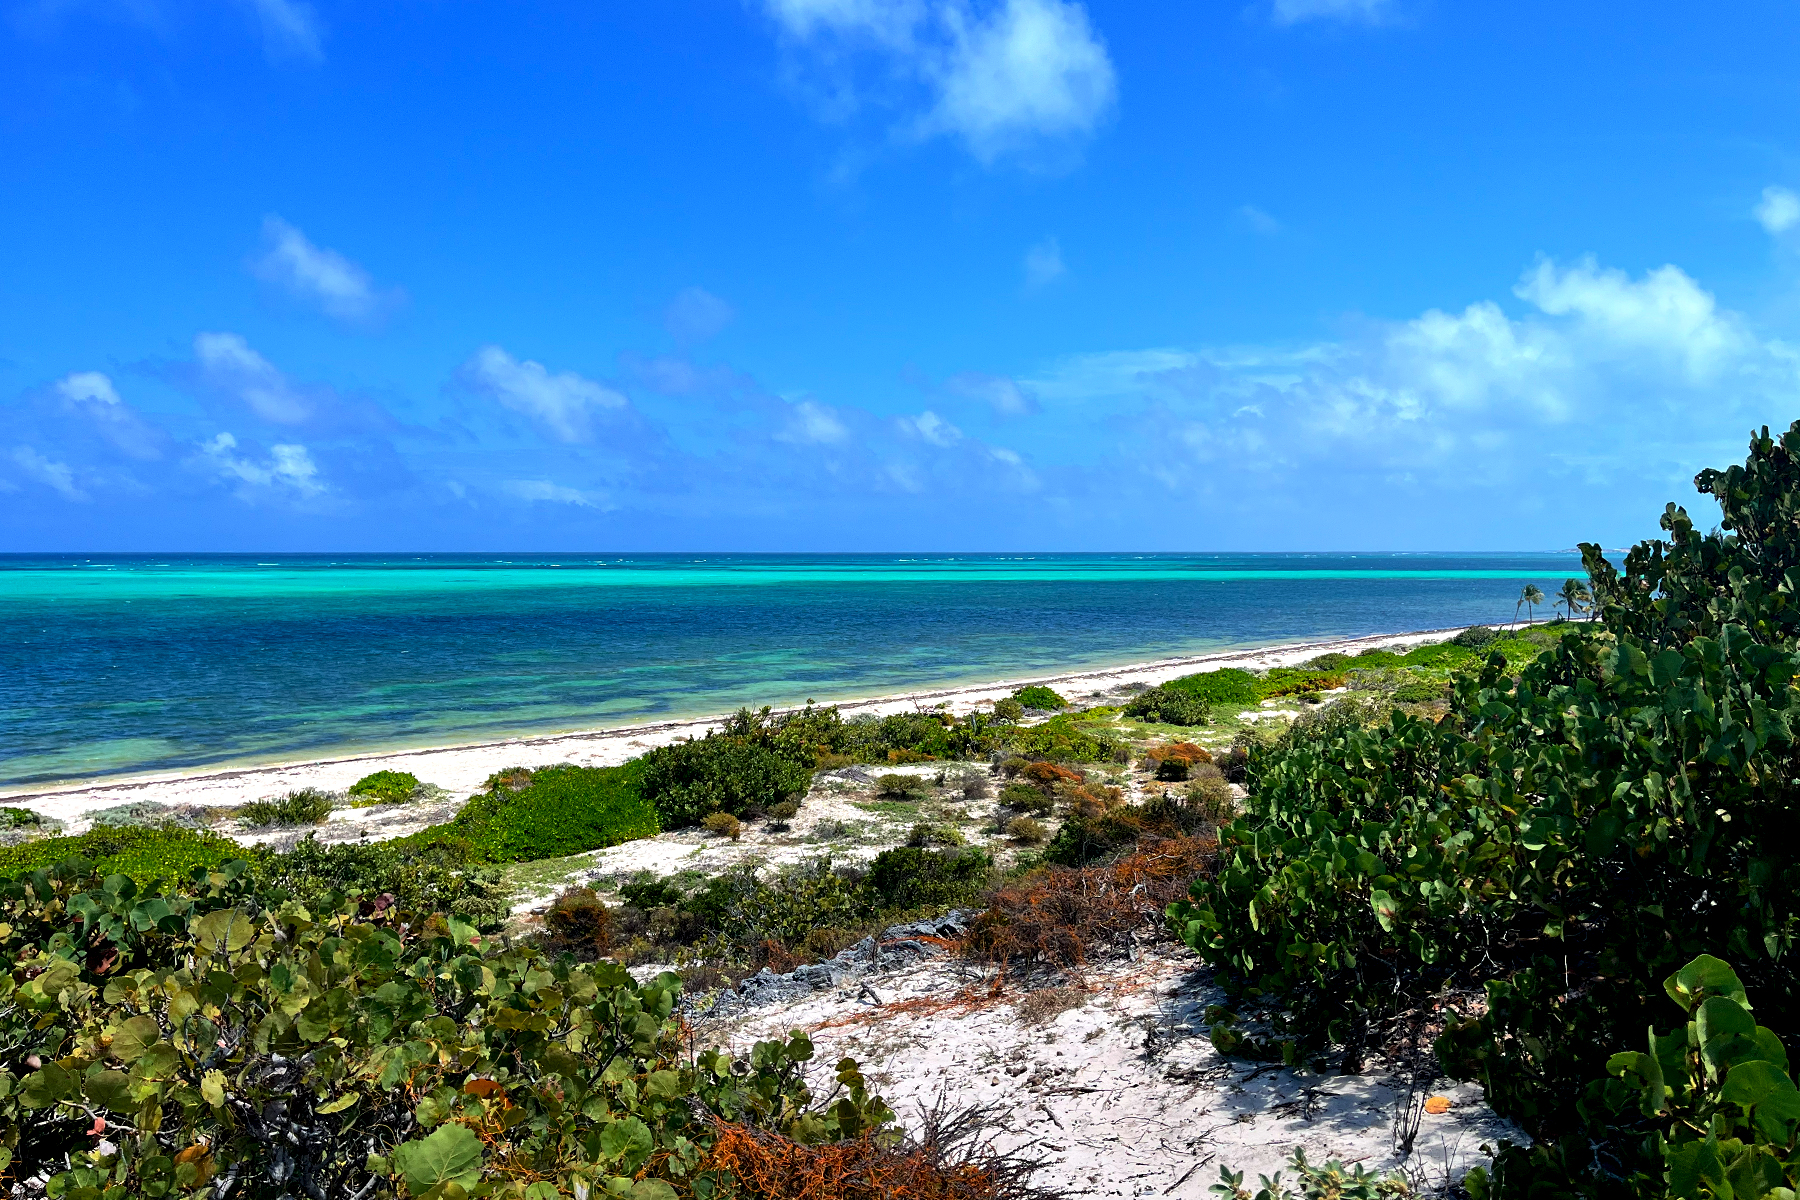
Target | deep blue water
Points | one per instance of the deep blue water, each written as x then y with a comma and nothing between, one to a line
130,663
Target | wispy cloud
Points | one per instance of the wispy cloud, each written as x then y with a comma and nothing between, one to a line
1290,12
542,490
1258,220
813,424
1007,78
1778,210
57,476
696,315
319,276
564,403
1005,395
92,394
228,364
931,428
1044,263
290,29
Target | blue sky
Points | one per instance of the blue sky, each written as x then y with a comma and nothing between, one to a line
887,274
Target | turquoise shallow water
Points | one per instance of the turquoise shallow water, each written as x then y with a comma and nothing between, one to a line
113,665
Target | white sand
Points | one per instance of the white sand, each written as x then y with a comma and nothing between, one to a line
460,770
1123,1094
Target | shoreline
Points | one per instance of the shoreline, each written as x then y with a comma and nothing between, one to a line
461,768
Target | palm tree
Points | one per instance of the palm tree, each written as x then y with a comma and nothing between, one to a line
1531,594
1574,597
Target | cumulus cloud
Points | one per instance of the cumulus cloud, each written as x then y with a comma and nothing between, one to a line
320,276
813,424
288,469
547,492
696,314
1005,395
57,476
228,364
564,402
1607,376
1005,77
1044,263
1778,210
92,393
1289,12
291,30
931,428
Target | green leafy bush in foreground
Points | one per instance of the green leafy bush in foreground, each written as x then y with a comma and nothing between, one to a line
1713,1104
227,1047
388,787
1578,827
1061,739
562,810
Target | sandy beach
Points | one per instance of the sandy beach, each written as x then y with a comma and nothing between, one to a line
460,770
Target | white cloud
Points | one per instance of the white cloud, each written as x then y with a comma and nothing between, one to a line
1005,395
1003,76
1779,209
1289,12
544,490
229,364
290,29
288,467
696,314
55,475
319,276
1032,69
89,388
1044,263
811,423
1607,375
564,402
931,427
1259,220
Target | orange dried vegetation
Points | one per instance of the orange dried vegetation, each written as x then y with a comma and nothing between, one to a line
766,1165
1186,752
1059,914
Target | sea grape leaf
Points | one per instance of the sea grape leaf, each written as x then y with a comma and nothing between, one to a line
1705,976
451,1154
45,1086
1727,1035
108,1089
133,1037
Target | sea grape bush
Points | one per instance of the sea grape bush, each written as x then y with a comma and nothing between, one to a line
210,1044
1579,826
1711,1106
1040,697
387,787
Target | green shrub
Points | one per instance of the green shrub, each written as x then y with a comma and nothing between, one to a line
144,853
735,775
1166,705
563,810
21,818
388,787
1027,831
1420,691
1061,739
279,1053
1211,794
908,877
1600,807
1025,796
1227,688
1039,697
650,893
142,813
799,902
723,824
896,786
1475,637
416,878
787,810
308,806
927,833
1008,710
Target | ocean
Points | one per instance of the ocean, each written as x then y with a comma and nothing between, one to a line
123,664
